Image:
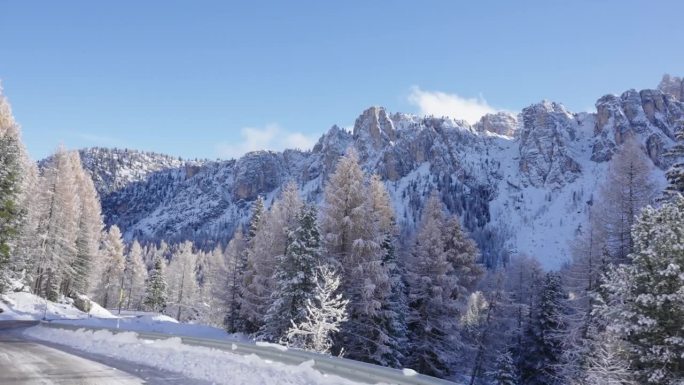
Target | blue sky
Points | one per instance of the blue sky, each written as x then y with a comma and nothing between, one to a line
216,78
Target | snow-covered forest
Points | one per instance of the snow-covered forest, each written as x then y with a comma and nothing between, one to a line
339,277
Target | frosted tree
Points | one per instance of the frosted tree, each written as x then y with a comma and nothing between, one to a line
135,276
353,241
391,319
433,311
324,314
11,174
628,187
24,256
234,256
675,175
56,226
267,248
156,289
462,253
295,277
89,231
644,300
606,363
182,279
505,373
212,280
251,300
109,288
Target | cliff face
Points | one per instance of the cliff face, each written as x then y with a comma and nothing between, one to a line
517,182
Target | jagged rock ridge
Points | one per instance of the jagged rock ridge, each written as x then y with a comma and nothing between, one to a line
518,182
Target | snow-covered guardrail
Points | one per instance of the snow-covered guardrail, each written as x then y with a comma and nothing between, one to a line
345,368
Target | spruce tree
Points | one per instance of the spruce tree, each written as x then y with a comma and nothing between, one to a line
433,311
156,295
505,373
235,264
391,319
644,300
10,183
543,340
295,277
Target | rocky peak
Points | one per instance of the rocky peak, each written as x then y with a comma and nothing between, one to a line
501,123
652,115
672,85
546,133
375,127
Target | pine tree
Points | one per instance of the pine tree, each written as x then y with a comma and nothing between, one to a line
544,336
391,319
10,188
644,300
156,290
324,314
135,276
110,287
182,280
433,311
675,175
295,277
235,265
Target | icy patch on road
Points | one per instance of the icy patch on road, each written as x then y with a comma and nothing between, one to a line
171,354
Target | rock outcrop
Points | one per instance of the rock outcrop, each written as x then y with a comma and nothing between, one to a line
651,115
500,123
548,130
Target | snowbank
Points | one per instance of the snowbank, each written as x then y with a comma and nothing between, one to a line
213,365
27,306
156,323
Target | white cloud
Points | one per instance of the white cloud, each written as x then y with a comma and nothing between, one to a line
270,137
442,104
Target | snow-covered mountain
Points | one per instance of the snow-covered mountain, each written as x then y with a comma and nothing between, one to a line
520,183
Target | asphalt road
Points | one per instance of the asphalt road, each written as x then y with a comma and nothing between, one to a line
24,361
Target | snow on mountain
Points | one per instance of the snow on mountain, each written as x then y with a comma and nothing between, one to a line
520,183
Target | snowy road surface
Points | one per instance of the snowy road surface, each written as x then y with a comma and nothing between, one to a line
25,361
